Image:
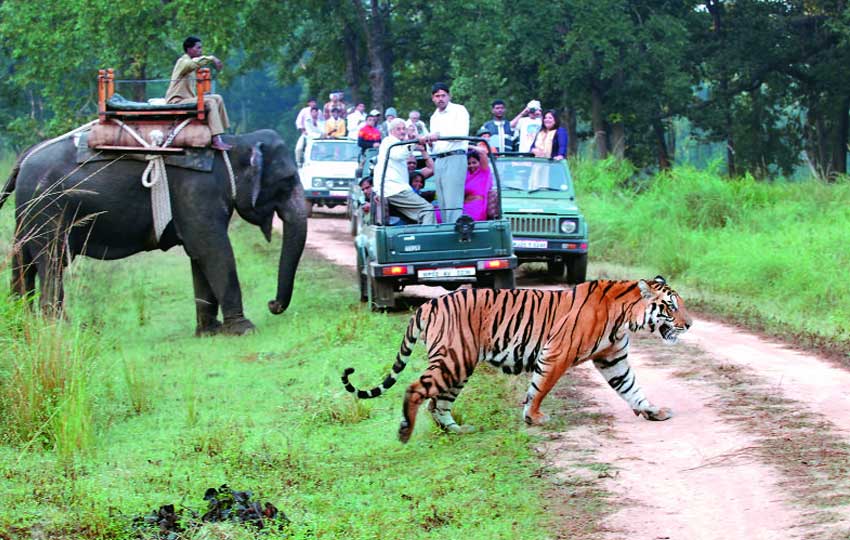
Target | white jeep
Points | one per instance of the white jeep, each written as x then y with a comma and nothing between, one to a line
327,171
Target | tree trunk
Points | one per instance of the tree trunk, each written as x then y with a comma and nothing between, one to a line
661,140
376,29
572,131
600,135
138,91
618,140
352,64
839,138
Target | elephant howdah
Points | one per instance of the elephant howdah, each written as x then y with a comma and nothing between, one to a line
100,209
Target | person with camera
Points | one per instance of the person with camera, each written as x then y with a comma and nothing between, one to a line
526,125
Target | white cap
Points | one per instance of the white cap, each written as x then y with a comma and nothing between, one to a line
533,104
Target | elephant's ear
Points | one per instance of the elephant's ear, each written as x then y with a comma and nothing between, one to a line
256,172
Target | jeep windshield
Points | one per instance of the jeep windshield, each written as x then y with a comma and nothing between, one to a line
532,175
334,151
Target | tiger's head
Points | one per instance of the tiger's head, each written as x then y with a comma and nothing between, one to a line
666,314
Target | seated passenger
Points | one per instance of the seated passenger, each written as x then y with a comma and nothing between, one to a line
476,189
391,178
369,136
183,88
335,125
366,188
417,182
428,170
478,184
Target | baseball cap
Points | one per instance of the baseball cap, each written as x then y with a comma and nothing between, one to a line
533,104
390,112
374,112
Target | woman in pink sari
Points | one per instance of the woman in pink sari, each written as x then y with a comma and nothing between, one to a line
479,182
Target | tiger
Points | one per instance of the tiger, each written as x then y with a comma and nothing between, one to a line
543,332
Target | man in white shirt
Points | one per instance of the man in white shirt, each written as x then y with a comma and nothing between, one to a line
449,120
527,124
304,114
355,120
394,183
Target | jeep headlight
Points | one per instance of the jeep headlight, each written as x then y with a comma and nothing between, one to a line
318,182
569,226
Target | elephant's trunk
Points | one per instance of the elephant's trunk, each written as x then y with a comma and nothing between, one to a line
294,216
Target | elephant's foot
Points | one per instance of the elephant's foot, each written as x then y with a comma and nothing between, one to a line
211,328
237,327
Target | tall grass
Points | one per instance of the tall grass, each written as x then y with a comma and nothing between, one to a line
44,394
772,251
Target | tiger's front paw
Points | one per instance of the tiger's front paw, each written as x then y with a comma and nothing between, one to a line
536,419
658,415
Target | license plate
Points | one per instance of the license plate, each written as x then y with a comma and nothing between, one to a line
432,273
531,244
337,193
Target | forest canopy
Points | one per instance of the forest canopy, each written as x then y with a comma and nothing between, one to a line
765,79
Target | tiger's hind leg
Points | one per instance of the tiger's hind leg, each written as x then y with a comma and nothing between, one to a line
416,393
621,378
440,408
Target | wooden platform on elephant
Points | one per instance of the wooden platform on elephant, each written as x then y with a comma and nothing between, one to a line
123,122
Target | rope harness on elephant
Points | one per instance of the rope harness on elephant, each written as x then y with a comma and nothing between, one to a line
45,144
155,176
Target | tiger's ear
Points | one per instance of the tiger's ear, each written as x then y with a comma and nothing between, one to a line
645,290
660,280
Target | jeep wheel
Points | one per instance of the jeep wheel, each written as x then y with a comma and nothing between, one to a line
577,268
353,220
382,294
500,279
504,279
362,280
556,270
309,206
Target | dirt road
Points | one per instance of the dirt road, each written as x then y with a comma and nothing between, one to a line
759,447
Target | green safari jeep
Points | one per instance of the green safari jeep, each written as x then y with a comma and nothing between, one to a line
393,253
539,199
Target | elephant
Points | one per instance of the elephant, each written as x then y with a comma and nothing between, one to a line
100,209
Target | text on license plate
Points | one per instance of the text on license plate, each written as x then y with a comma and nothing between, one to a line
338,193
533,244
447,272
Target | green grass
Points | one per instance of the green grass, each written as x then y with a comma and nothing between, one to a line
171,415
768,254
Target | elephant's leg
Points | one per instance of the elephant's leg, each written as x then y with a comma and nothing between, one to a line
51,267
206,305
216,263
23,273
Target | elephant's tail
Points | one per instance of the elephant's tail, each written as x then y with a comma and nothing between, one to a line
12,180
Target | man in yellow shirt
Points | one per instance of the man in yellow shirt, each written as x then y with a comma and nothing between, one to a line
183,88
335,125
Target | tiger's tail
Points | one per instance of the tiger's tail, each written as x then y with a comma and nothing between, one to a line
414,329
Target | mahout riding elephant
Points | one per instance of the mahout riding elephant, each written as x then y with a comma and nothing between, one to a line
101,209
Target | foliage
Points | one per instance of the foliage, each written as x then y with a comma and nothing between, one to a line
621,72
769,248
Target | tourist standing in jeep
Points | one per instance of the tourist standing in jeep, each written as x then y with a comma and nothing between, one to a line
449,120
